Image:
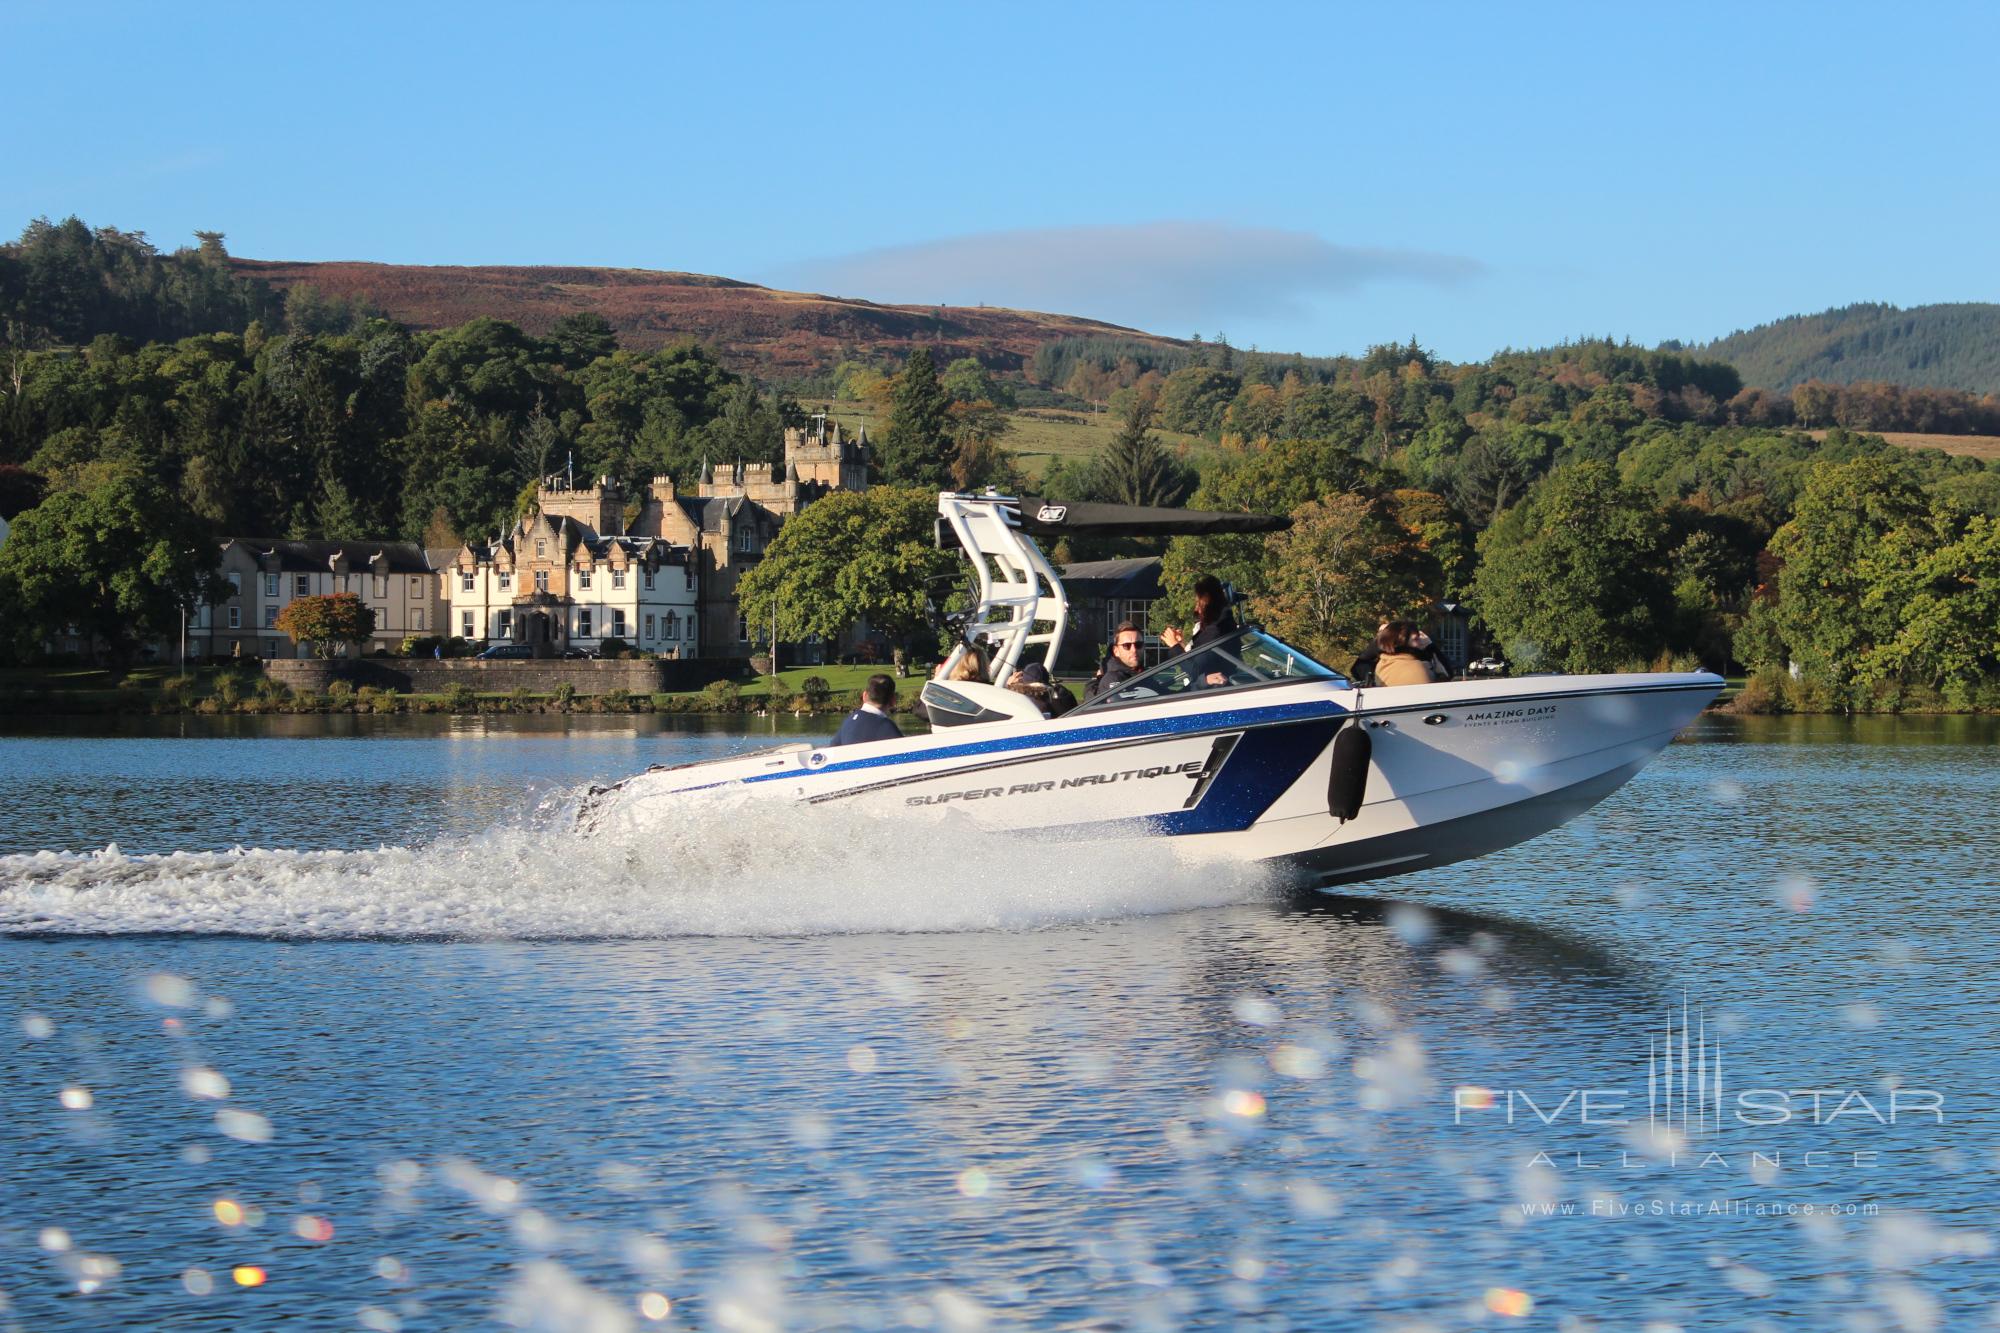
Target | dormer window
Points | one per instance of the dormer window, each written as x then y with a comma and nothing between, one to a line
746,541
466,582
583,578
506,580
541,547
617,578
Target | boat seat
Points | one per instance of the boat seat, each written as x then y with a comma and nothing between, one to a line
961,703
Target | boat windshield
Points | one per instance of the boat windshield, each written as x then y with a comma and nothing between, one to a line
1243,661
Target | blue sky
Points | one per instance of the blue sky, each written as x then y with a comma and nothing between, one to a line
1311,178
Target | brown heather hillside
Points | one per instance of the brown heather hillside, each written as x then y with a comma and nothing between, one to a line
772,333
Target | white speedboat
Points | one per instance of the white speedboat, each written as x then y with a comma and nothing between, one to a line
1245,750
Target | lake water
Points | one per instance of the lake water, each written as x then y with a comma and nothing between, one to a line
327,1023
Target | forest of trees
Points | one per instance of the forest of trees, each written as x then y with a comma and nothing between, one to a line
1597,504
1936,346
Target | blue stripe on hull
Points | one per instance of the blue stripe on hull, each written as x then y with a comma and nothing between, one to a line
1188,723
1262,767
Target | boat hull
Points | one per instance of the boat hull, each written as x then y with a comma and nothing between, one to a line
1452,771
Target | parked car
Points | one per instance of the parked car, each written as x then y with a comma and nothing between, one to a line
509,650
577,654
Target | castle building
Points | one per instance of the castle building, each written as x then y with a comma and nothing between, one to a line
735,511
570,576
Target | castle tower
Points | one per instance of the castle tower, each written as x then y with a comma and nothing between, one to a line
601,507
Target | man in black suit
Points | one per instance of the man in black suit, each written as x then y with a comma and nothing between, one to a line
870,722
1121,665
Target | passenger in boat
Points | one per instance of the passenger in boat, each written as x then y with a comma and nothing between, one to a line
1421,645
871,721
1120,665
971,666
1212,617
1213,621
1049,694
1405,656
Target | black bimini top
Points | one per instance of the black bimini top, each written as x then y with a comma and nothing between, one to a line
1056,518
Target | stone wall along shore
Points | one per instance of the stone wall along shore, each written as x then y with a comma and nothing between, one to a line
503,676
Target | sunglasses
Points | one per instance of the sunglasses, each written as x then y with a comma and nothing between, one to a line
1126,643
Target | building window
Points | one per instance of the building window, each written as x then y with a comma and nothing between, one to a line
235,617
506,624
649,580
270,617
689,571
649,628
618,624
270,647
302,585
506,582
382,585
670,627
465,624
742,629
417,586
465,582
235,585
583,624
270,585
583,578
541,580
541,548
746,540
416,620
617,578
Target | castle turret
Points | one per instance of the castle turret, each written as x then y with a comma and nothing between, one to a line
600,508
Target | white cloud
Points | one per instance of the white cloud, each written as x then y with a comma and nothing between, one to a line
1166,277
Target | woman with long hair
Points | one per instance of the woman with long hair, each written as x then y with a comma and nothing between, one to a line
1212,617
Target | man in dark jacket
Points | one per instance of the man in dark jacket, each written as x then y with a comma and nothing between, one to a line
1121,665
870,722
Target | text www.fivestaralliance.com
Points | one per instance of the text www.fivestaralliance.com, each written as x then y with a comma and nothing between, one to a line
1717,1207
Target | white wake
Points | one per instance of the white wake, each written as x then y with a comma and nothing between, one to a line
711,868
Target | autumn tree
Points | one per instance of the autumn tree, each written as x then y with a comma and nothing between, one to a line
327,623
1343,566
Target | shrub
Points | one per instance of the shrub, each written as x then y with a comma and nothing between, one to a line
564,694
270,691
612,647
341,691
722,696
617,700
520,698
1763,692
229,690
459,698
816,691
418,645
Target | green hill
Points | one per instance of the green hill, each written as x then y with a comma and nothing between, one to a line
1953,346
